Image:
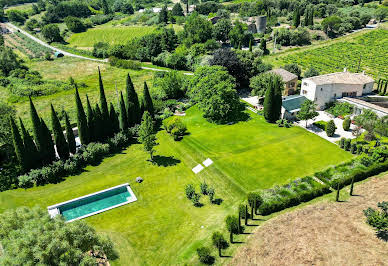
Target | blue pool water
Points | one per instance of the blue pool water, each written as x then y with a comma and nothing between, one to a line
81,207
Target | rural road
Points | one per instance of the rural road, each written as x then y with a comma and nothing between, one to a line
15,28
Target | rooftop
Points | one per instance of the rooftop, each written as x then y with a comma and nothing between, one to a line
286,76
341,78
293,103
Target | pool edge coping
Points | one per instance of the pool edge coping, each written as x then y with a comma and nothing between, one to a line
131,199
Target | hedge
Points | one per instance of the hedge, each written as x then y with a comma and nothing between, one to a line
294,193
92,154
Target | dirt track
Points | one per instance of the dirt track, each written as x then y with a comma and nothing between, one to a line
326,233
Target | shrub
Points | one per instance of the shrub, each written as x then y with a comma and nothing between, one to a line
100,50
211,193
346,124
359,149
378,219
340,109
330,128
126,64
118,141
205,256
175,127
320,124
195,200
190,191
347,144
204,188
342,143
353,147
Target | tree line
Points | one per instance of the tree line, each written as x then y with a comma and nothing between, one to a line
96,124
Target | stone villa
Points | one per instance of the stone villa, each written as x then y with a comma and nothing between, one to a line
290,80
327,88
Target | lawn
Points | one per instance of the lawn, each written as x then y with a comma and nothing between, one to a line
162,227
109,34
83,71
335,55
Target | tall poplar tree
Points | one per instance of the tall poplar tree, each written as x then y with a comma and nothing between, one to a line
18,145
32,155
70,135
49,151
59,137
148,105
123,114
82,122
114,119
91,120
104,108
134,113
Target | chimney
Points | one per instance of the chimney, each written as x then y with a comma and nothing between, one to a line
345,69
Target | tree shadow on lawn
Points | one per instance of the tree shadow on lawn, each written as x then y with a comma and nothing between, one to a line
217,201
165,160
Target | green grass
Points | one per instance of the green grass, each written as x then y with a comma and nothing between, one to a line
162,227
109,34
335,55
83,71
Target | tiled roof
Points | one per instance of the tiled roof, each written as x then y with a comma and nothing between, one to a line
293,102
341,78
286,76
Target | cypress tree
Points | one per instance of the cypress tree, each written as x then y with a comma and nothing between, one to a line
49,154
98,124
82,122
148,105
32,155
134,113
18,145
60,141
123,114
296,18
36,128
273,99
307,16
250,45
311,16
70,135
114,119
91,120
104,108
239,221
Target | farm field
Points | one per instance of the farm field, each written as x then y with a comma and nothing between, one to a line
109,34
25,46
341,53
162,217
326,232
83,71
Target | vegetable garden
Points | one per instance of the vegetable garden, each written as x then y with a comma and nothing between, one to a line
26,46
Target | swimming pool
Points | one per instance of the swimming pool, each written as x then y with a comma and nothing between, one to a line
92,204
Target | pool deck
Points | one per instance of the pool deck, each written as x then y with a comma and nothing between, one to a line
53,210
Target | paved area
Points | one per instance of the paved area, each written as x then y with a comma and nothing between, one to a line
323,116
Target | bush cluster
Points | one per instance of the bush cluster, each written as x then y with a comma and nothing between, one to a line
320,124
378,219
126,64
91,154
175,128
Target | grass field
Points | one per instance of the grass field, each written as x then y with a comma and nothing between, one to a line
109,34
335,55
162,227
83,71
